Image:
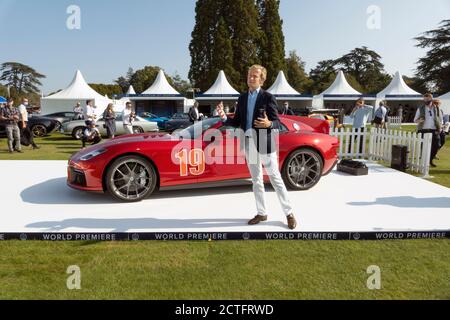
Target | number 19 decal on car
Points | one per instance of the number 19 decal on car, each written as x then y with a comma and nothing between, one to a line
192,162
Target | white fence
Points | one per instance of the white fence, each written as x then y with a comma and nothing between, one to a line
376,145
394,122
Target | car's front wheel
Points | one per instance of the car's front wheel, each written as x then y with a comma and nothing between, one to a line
131,179
302,169
77,133
39,130
138,130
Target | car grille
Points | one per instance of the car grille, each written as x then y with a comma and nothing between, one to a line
77,177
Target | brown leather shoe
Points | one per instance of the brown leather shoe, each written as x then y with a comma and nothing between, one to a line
292,223
257,219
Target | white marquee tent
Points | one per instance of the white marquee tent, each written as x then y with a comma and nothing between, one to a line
131,90
221,90
160,89
340,93
160,98
284,92
77,91
399,93
445,99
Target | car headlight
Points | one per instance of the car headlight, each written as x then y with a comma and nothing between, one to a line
92,154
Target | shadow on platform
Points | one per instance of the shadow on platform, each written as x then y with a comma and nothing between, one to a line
407,202
123,225
55,191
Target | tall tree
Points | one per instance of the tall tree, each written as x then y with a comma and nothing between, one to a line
181,85
296,74
21,78
365,66
272,44
434,69
243,18
222,55
124,82
202,43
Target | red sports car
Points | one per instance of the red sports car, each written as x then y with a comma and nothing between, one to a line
132,167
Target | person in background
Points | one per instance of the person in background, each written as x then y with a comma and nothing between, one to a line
442,133
90,111
10,116
78,110
110,121
400,112
361,115
287,111
91,133
194,114
380,115
25,130
128,117
429,120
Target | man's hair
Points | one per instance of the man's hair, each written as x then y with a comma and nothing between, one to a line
259,67
428,95
360,100
10,100
128,104
88,101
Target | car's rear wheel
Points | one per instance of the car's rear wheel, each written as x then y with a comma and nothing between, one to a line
302,169
39,130
77,133
138,130
131,179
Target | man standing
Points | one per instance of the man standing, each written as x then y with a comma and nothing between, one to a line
127,118
194,114
428,119
360,116
380,115
256,114
10,116
287,111
78,110
25,130
90,111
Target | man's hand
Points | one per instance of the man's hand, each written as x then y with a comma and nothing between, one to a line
220,111
263,123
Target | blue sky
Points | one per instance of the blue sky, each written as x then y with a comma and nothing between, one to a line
117,34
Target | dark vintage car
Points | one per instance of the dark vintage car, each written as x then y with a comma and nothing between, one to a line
40,126
178,121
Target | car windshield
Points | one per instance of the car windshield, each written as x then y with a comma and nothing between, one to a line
196,130
180,116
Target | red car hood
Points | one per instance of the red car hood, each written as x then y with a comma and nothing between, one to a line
144,137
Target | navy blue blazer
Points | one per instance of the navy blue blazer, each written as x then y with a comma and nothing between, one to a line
265,101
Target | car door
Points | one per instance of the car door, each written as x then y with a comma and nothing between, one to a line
223,158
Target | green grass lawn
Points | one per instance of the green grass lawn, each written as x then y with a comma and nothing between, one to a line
418,269
226,270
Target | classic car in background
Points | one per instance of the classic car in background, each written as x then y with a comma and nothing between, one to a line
75,128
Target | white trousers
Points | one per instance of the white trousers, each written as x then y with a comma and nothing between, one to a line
255,162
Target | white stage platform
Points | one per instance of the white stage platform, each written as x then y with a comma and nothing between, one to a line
36,199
